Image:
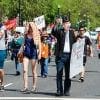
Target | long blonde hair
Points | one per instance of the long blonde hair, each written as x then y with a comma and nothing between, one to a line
35,35
31,27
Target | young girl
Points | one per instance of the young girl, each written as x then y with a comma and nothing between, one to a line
45,53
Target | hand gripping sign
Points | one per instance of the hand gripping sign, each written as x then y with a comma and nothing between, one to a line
76,63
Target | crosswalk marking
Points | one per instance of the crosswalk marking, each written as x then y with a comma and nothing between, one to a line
8,84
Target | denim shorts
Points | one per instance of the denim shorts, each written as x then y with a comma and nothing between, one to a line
2,58
31,57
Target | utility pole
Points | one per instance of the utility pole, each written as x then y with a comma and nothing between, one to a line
19,13
58,9
69,13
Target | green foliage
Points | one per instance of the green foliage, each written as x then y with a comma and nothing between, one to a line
88,10
81,10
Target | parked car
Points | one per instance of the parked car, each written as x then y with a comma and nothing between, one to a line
97,29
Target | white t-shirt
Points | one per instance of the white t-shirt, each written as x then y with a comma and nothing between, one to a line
2,41
67,45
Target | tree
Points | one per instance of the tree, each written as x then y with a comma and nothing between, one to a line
33,8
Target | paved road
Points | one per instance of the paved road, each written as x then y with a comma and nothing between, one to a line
46,87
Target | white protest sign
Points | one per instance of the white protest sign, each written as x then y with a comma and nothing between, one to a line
76,63
40,22
20,29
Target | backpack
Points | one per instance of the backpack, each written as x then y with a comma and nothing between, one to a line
16,43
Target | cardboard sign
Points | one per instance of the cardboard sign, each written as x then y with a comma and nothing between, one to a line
40,22
20,29
76,63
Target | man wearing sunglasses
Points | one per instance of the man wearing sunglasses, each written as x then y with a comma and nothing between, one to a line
87,50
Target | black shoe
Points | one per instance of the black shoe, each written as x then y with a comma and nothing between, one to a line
44,76
17,73
59,93
67,93
81,79
2,88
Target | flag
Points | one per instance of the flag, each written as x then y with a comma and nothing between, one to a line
10,24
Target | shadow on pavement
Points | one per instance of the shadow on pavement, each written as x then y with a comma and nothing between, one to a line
52,65
41,93
45,93
17,90
98,95
41,77
10,74
75,80
92,71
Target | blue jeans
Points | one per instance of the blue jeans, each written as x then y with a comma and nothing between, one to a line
17,64
44,66
63,62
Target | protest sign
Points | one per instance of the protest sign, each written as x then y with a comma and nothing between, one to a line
40,22
20,29
76,63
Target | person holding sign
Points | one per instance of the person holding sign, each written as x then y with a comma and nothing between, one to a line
65,39
87,50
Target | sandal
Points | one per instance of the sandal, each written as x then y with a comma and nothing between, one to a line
33,89
25,90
